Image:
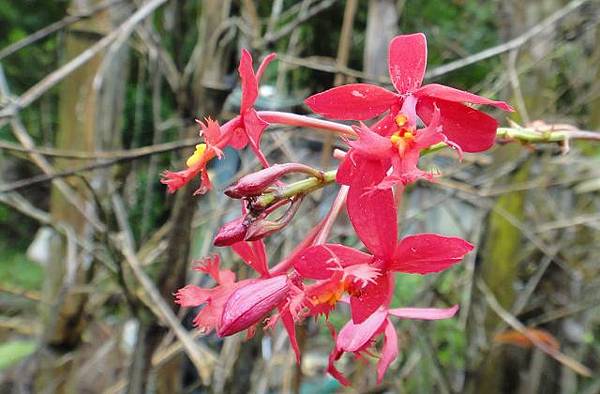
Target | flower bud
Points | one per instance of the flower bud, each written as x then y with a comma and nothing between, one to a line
254,184
230,233
249,304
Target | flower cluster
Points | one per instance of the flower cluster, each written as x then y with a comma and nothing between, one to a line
382,158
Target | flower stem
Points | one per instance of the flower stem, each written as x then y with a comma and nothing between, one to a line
304,186
290,119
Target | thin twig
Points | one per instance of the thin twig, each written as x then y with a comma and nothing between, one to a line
202,357
33,93
517,325
53,27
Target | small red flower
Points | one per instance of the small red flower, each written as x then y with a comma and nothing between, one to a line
357,338
466,127
401,150
215,139
367,278
214,299
247,127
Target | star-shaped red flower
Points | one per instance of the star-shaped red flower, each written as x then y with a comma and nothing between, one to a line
470,129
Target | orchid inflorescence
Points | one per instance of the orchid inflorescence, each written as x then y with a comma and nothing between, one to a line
381,160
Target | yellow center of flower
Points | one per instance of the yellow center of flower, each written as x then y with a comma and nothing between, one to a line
330,297
196,156
401,120
335,292
404,137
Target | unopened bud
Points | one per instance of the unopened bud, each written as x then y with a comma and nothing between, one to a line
230,233
249,304
256,183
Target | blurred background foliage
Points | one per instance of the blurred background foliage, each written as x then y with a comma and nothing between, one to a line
532,211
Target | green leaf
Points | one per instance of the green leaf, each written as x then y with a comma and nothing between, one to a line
14,351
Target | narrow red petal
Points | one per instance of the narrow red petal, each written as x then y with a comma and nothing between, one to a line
470,129
389,352
263,65
447,93
407,60
371,297
354,336
426,253
237,137
371,144
372,212
358,101
345,170
333,371
288,323
248,80
254,127
424,313
251,257
192,295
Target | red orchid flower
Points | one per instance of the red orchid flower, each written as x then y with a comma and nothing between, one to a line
248,126
214,299
402,150
470,129
368,278
253,254
358,338
215,139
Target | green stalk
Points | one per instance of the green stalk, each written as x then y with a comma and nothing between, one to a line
523,135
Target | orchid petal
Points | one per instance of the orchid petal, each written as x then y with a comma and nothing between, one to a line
407,58
319,262
248,80
235,128
370,143
333,371
472,130
251,256
372,212
192,295
346,170
371,297
389,352
358,101
427,253
254,127
424,313
436,91
353,337
288,323
263,65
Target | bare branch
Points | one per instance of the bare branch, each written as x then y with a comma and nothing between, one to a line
122,32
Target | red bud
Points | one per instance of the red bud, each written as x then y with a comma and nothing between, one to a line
254,184
249,304
230,233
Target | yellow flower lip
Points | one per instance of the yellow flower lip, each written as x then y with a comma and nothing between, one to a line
196,156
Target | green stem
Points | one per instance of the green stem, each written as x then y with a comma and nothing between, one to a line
304,186
524,135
